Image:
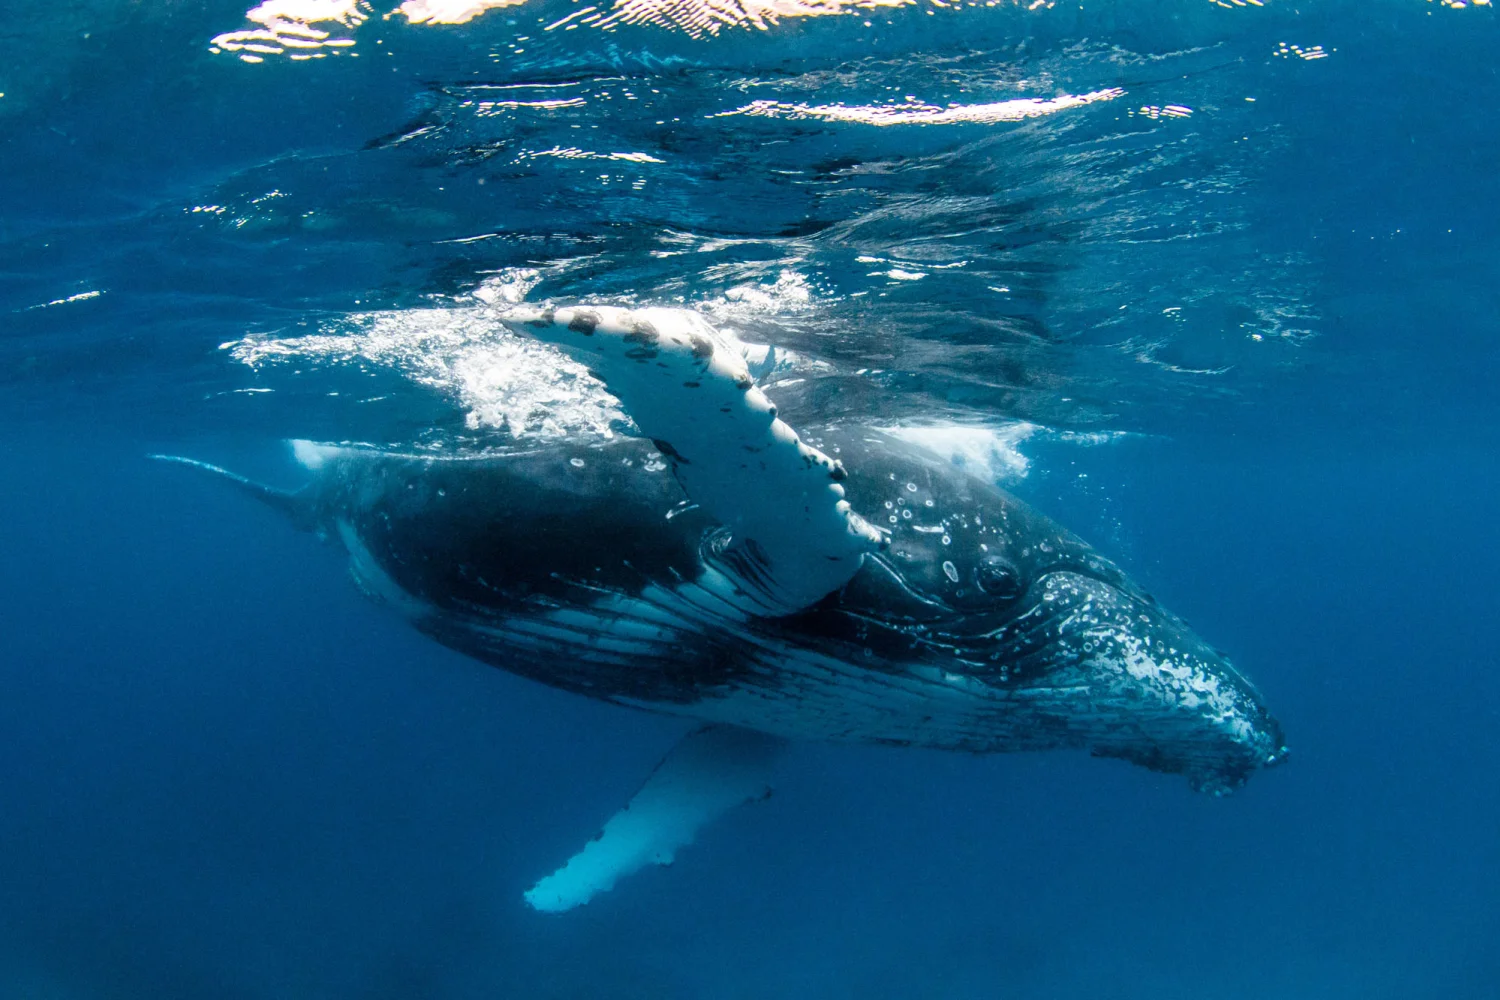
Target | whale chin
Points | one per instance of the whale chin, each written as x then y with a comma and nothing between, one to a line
1214,774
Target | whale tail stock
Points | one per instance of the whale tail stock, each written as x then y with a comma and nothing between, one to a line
291,503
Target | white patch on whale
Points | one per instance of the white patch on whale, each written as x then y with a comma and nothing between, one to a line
988,453
373,580
311,455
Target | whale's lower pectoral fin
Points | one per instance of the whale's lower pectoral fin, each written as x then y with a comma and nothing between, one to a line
704,776
794,537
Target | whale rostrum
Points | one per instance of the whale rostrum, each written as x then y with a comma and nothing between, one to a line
845,585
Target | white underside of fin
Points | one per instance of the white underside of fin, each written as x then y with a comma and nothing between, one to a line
707,774
795,538
371,578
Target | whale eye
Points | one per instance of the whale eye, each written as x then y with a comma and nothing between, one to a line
998,578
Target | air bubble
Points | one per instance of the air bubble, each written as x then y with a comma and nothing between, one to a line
950,571
906,513
947,540
911,487
576,463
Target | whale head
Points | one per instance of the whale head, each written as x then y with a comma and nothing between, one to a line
1159,695
977,590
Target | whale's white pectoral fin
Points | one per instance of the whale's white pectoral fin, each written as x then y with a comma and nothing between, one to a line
707,774
795,538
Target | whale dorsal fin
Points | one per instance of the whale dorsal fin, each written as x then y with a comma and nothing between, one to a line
794,536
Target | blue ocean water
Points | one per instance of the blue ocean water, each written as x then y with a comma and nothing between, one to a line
1216,284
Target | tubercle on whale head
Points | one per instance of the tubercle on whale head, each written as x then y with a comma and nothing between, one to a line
1266,749
1225,779
1115,673
1199,716
1213,770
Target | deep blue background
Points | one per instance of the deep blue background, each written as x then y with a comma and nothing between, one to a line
223,773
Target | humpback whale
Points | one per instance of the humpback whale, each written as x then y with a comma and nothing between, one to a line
844,586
